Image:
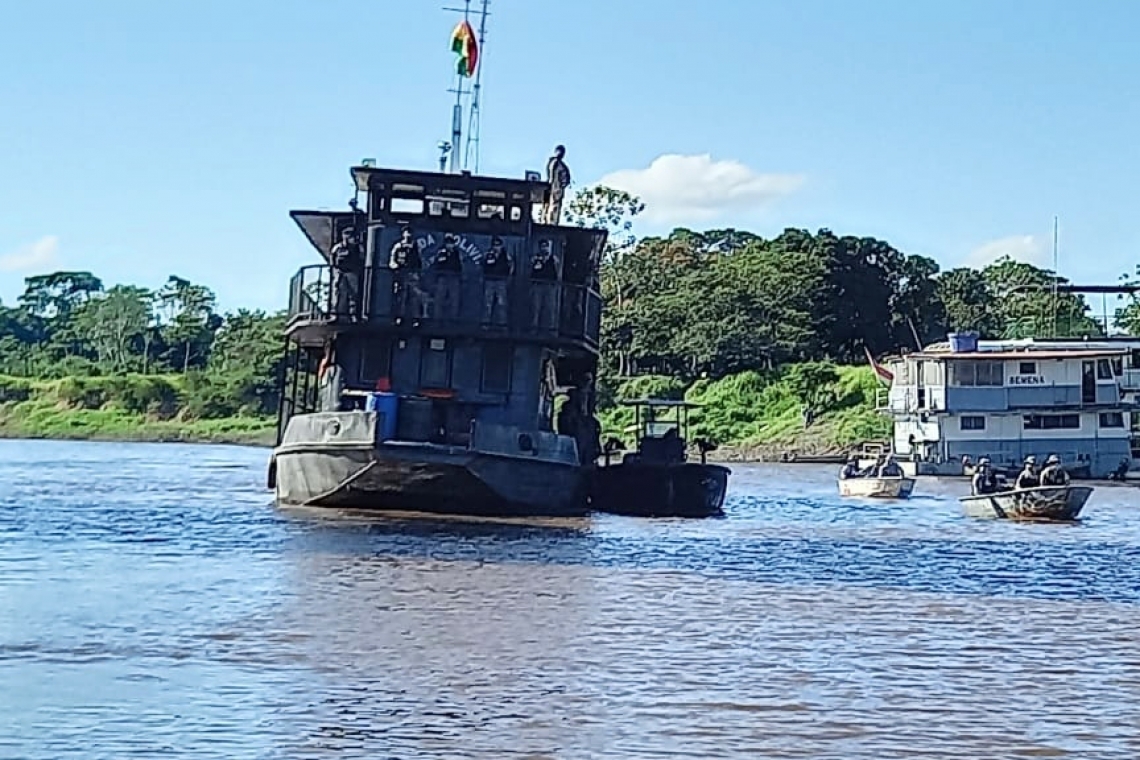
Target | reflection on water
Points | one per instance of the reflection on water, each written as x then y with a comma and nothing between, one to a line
153,601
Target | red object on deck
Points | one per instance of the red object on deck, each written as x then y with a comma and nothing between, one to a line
384,384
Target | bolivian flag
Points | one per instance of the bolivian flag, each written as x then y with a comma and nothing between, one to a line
463,43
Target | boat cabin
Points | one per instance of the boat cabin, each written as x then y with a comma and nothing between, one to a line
443,294
964,399
661,427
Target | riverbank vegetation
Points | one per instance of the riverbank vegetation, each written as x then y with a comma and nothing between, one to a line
769,334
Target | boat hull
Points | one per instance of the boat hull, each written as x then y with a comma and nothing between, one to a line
877,488
646,490
1042,503
347,470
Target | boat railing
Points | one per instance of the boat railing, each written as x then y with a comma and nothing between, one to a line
448,300
310,293
1130,379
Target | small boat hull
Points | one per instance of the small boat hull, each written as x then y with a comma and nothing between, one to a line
1042,503
877,488
647,490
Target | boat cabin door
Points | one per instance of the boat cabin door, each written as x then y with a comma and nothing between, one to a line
1088,382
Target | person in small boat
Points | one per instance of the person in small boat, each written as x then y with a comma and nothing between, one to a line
1053,474
985,479
851,469
889,468
1028,477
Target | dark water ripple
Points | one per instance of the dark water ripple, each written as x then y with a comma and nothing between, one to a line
153,603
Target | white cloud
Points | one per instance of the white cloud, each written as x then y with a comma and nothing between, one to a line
680,189
34,256
1028,248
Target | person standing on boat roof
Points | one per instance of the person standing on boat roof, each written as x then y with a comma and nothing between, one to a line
1028,477
1053,474
558,175
345,257
984,480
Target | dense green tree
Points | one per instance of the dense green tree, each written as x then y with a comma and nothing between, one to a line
112,324
1028,306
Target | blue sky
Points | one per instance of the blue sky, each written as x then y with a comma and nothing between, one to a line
142,139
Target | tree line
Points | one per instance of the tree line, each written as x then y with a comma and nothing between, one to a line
713,303
690,305
68,324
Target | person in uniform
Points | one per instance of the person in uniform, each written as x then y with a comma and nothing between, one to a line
496,271
558,175
851,468
1053,474
543,275
448,264
345,257
984,480
890,468
404,259
1028,477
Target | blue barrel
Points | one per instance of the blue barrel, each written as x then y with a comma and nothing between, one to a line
386,405
963,342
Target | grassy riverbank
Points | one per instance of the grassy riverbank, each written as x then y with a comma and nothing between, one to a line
758,416
752,415
120,408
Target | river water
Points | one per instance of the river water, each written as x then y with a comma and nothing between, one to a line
153,602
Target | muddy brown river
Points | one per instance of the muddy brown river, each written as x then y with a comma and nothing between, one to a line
154,603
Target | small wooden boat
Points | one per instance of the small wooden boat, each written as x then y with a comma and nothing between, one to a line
1041,503
658,480
877,488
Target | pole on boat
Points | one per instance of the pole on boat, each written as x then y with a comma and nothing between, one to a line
471,43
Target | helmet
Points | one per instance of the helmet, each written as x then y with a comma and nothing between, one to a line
1031,459
984,462
1053,459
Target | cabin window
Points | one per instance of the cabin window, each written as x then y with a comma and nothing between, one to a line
492,211
1103,369
496,376
1111,420
971,374
1118,366
435,364
972,422
407,205
1053,422
375,362
516,213
1027,368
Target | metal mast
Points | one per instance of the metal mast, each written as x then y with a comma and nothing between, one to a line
452,149
472,147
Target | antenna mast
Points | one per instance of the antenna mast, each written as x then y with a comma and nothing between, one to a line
1056,278
452,151
473,114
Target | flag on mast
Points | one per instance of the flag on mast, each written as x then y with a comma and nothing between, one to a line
464,45
885,375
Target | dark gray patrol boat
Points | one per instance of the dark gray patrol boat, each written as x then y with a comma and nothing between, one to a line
425,354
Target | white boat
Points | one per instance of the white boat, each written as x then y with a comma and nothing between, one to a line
877,488
1041,503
